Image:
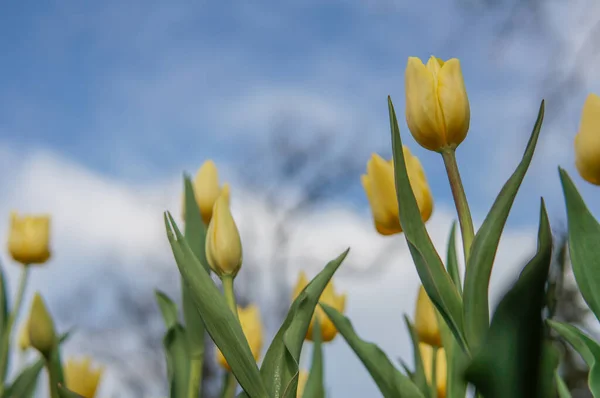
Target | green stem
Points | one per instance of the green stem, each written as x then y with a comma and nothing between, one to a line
55,371
11,320
229,386
229,294
460,200
195,379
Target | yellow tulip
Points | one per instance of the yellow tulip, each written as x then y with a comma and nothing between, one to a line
29,239
380,187
223,243
587,141
253,330
328,297
23,337
42,335
426,322
440,368
302,379
207,190
437,106
81,378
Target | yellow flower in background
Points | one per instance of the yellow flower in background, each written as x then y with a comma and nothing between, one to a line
440,368
587,141
29,238
223,243
380,187
437,106
42,335
23,337
207,190
81,378
302,379
426,322
328,297
253,330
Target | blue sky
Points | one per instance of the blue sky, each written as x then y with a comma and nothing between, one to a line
108,102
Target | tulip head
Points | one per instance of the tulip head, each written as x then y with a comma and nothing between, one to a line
587,141
380,187
441,368
29,239
207,190
302,379
328,297
42,335
251,323
437,106
81,378
23,337
426,322
223,242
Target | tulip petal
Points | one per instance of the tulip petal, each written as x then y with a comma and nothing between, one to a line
454,102
587,141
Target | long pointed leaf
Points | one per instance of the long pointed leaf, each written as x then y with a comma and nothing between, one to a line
418,376
314,385
485,245
175,344
452,259
168,309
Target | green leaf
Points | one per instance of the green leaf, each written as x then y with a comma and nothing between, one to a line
561,386
64,392
549,364
220,322
279,368
586,347
175,344
418,376
314,387
168,309
3,301
390,381
431,270
456,362
508,364
485,245
452,259
584,235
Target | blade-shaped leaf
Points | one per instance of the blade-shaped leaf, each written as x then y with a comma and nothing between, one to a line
168,309
584,235
418,376
64,392
431,270
508,364
561,386
314,387
175,344
219,320
485,245
3,300
586,347
550,360
456,362
280,366
390,381
452,259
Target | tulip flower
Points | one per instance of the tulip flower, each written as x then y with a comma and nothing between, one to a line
42,335
440,368
380,187
23,337
223,243
28,239
437,107
251,323
328,297
81,378
302,379
587,141
207,190
426,322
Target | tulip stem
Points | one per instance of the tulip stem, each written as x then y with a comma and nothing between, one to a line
227,281
9,325
434,372
229,386
460,200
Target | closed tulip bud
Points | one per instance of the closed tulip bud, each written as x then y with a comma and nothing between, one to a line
223,243
380,187
81,378
42,336
29,239
426,322
23,337
437,107
207,190
251,323
328,297
440,368
587,141
302,379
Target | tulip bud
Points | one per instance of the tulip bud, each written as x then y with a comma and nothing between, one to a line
328,297
437,107
28,239
302,379
587,141
223,243
207,190
426,323
41,327
81,378
380,187
252,327
23,337
441,368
